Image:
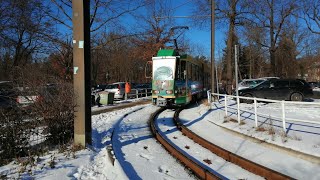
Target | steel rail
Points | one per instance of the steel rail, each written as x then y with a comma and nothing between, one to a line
195,167
227,155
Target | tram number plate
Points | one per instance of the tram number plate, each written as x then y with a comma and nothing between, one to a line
161,102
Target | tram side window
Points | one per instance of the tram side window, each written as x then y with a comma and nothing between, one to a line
193,72
178,69
181,70
189,71
197,73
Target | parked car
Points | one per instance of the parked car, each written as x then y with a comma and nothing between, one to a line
314,85
279,89
117,88
246,83
12,96
27,96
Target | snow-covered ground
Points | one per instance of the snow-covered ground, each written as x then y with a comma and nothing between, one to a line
141,157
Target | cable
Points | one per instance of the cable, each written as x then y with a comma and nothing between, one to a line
180,5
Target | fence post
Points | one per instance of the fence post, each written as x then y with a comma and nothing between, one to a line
146,92
225,105
238,108
137,94
255,111
283,116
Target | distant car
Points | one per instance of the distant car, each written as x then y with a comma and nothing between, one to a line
141,88
279,89
314,85
26,96
118,89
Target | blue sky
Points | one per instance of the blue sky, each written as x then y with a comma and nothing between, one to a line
198,36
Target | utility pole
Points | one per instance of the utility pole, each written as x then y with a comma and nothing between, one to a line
81,71
236,57
212,46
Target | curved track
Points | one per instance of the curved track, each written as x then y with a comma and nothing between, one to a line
197,168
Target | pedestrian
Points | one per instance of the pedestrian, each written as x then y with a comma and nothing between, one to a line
127,89
98,99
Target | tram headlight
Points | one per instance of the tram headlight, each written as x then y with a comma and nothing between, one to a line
155,92
169,91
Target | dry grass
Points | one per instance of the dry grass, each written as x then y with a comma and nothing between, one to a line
226,119
284,137
233,120
261,129
187,147
271,130
205,102
242,123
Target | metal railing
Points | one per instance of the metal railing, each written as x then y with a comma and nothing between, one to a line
136,93
254,101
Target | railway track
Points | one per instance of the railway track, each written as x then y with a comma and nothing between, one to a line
198,168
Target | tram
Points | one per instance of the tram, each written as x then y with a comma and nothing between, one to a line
178,80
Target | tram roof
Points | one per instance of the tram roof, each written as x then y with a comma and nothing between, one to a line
167,52
170,52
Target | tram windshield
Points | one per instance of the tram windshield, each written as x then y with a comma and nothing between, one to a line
164,69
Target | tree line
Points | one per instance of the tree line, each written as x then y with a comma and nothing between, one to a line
274,37
277,38
37,35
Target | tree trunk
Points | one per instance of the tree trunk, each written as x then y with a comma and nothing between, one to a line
229,60
232,17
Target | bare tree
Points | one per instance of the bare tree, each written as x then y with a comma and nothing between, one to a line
153,29
286,57
106,17
310,15
26,30
271,16
103,13
231,13
61,61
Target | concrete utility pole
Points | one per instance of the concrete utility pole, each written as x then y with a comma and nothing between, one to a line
212,46
81,75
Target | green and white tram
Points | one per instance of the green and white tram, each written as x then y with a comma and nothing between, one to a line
178,80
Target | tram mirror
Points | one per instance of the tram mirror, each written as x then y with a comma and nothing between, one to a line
148,69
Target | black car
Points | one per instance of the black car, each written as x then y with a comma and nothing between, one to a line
280,89
314,84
